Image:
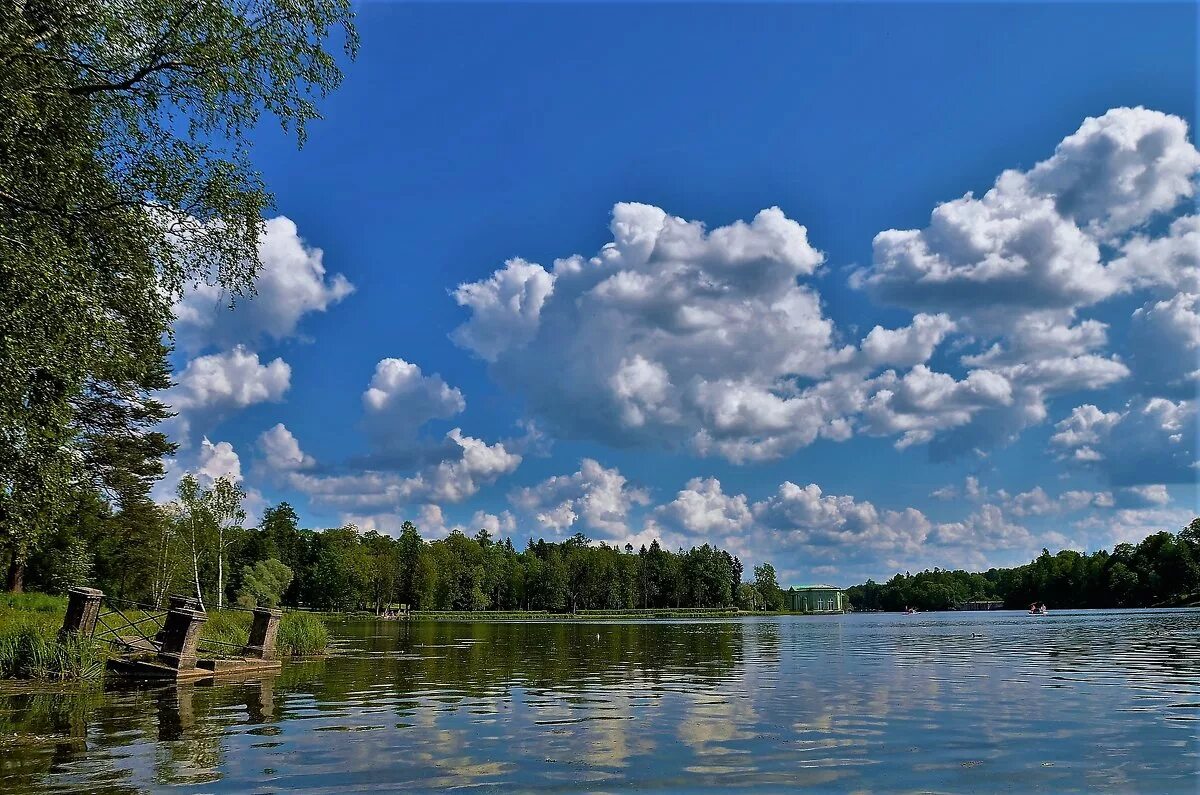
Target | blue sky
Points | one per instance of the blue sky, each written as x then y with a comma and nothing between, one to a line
701,371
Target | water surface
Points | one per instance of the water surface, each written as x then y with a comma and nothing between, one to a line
1072,702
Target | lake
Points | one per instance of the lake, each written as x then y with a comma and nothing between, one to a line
1086,701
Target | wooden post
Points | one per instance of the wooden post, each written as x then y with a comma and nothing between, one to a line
262,633
180,635
83,610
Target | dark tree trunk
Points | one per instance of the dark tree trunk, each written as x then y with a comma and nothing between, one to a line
16,576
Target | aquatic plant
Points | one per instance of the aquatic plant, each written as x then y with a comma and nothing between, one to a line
30,649
302,633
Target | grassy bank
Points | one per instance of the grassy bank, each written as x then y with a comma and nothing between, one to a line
29,646
30,649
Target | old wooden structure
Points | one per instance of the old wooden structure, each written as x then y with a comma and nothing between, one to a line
166,644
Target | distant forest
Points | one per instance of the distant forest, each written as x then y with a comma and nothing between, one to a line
1162,570
189,550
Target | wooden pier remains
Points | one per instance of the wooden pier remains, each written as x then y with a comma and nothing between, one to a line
151,643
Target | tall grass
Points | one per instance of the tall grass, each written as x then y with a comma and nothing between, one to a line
302,633
299,633
30,649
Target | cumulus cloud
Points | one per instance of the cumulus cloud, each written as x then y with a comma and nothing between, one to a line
1131,525
715,340
291,283
230,380
1164,346
505,308
702,507
594,498
1119,170
673,334
1147,495
214,385
218,461
1033,241
430,521
450,481
503,523
1014,267
401,399
1169,263
908,346
1150,441
282,451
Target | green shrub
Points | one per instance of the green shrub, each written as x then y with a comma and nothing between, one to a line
229,628
302,633
263,583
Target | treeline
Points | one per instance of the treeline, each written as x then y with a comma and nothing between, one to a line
197,547
1162,570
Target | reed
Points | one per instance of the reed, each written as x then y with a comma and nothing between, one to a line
302,634
30,649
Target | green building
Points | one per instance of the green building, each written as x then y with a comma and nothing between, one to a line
816,599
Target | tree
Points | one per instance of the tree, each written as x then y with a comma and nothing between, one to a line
225,505
206,515
408,562
765,584
263,583
748,597
125,177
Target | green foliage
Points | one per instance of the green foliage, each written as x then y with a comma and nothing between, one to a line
1164,569
125,177
749,597
264,583
301,634
767,586
71,565
30,648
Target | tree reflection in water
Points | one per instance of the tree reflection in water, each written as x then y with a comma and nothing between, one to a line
844,702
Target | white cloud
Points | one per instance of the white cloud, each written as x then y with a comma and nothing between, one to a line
702,508
1149,494
924,402
817,519
1170,262
908,346
282,450
1151,441
672,334
503,523
1164,346
291,283
230,380
218,461
1033,241
679,336
1014,267
1131,525
505,308
401,399
450,481
1120,169
214,385
599,499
